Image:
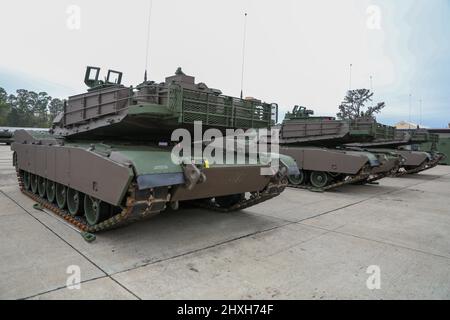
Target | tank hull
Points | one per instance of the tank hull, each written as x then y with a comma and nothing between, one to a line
388,166
329,160
414,161
322,169
133,181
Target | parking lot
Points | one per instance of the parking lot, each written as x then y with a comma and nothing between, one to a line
300,245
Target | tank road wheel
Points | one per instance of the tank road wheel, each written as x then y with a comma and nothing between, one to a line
34,182
26,180
74,202
42,184
229,201
297,179
61,199
50,190
95,210
319,179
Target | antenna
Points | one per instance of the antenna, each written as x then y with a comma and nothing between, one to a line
148,39
350,80
371,87
409,121
420,112
243,53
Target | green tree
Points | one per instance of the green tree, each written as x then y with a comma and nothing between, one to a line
39,106
4,107
13,119
23,105
28,109
354,105
55,106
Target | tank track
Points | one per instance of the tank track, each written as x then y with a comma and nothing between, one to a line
271,191
133,211
382,175
421,168
378,177
353,179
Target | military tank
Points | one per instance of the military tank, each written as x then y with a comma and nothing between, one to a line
442,144
314,142
5,136
7,133
404,143
109,157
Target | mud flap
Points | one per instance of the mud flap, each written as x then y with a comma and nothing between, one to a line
192,175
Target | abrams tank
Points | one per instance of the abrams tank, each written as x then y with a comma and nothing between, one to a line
109,158
404,143
442,138
7,133
314,142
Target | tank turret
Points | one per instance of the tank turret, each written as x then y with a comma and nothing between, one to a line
299,112
301,128
153,110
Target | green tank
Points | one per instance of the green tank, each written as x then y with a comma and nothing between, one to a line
109,158
6,133
442,145
406,144
317,145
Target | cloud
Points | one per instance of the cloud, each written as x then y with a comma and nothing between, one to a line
297,52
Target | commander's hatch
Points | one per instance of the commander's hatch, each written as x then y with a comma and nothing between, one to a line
91,78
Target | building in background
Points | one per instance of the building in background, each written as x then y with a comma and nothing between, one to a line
408,125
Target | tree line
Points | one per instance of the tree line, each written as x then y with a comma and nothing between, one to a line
28,108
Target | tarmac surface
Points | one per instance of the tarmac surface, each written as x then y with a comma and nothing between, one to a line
300,245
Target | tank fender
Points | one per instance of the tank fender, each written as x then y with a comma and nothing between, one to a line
287,164
290,164
192,175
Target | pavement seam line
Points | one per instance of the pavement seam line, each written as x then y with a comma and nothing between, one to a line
271,229
201,249
69,244
288,223
237,238
392,244
371,198
62,287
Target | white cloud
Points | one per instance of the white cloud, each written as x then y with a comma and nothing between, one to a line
298,52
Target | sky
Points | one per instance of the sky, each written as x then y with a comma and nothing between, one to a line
297,52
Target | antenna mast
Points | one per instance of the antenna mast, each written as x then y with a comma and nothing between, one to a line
410,106
420,112
243,54
350,80
148,39
371,87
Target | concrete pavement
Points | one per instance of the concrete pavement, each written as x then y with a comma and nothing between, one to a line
300,245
